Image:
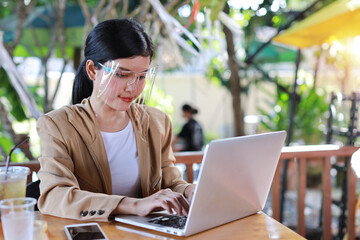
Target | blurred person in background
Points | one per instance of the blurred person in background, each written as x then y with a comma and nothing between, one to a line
191,137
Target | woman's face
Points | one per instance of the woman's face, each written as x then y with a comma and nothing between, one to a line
119,82
187,114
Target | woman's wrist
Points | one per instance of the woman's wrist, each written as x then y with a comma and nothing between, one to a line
127,205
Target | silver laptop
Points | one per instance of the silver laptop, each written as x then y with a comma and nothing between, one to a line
234,182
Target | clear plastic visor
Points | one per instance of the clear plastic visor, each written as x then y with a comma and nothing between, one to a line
115,76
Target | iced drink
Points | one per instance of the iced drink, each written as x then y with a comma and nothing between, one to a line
17,218
12,221
13,185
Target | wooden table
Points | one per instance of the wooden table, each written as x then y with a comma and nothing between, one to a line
257,226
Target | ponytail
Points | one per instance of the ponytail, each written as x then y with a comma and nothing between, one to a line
190,109
83,85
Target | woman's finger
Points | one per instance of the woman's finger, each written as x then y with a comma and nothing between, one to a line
176,205
166,205
184,203
176,201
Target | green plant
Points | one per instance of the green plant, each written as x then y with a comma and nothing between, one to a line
309,114
8,92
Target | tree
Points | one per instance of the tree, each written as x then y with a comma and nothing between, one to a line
22,12
275,15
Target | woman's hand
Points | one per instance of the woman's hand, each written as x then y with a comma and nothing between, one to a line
162,200
189,192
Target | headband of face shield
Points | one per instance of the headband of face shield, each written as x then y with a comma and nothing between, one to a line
116,78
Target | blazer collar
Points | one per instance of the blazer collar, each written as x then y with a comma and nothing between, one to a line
84,119
140,120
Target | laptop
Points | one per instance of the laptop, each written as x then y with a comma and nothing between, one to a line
234,182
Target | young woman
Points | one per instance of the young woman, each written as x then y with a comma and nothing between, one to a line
107,155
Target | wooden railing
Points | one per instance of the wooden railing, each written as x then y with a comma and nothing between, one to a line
300,156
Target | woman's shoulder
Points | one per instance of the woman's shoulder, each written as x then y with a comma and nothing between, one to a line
62,112
66,112
67,118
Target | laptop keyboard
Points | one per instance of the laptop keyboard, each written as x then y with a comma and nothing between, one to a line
174,221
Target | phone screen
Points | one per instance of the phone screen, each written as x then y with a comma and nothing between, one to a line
85,232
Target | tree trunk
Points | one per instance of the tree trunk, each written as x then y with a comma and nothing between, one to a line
316,70
235,87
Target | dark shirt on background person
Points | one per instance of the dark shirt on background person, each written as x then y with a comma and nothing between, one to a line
191,133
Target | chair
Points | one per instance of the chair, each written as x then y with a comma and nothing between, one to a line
33,190
351,133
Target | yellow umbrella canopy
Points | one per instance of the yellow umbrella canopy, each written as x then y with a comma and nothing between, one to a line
338,20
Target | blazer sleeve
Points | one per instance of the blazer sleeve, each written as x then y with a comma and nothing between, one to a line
60,192
172,177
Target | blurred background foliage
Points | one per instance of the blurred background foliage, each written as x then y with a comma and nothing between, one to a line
252,23
160,100
10,96
310,116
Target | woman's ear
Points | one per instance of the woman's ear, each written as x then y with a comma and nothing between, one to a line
90,69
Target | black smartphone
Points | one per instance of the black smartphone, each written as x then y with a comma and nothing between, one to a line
85,231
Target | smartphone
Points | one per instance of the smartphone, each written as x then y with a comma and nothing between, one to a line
88,231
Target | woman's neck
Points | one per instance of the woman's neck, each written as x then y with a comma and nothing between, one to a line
109,120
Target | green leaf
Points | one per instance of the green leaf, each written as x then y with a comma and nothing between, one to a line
9,92
5,143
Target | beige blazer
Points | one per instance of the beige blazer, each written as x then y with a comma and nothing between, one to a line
75,174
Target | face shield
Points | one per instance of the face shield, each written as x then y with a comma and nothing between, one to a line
119,81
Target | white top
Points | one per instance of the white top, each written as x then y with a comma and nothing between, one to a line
123,160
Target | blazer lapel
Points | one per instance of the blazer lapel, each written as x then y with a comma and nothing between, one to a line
84,121
140,120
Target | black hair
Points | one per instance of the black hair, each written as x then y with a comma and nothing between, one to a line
109,40
188,108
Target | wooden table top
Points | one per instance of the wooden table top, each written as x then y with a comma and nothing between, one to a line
257,226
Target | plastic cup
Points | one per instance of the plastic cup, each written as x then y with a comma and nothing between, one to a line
17,218
13,185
